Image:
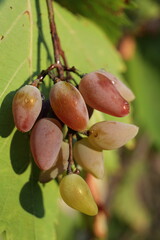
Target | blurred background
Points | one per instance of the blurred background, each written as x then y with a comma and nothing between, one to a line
129,196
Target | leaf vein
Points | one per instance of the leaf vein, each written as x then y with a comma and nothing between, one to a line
13,76
75,35
31,38
12,25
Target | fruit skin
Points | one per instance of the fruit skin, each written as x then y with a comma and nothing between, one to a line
76,194
89,158
26,106
124,91
45,143
108,135
58,167
68,104
100,93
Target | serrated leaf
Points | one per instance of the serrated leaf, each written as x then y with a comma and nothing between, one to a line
28,210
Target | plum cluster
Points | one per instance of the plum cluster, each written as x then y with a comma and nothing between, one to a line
98,90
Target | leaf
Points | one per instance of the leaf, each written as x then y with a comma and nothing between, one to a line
86,46
28,210
72,222
108,15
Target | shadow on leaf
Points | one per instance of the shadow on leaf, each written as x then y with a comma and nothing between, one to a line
6,117
31,199
20,152
41,38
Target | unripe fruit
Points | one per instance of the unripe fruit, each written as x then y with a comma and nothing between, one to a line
68,104
109,135
89,158
100,93
58,167
98,188
26,106
45,142
76,194
124,91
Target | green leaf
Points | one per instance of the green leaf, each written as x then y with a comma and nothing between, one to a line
107,14
28,210
86,46
72,221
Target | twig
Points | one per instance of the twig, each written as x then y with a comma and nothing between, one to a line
55,38
43,74
58,51
70,159
58,54
65,62
74,70
85,133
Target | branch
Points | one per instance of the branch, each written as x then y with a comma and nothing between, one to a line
58,51
70,159
43,74
55,38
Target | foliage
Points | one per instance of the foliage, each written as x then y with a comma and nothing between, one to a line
88,31
108,15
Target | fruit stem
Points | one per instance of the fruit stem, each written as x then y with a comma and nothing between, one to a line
57,49
70,159
85,133
74,70
43,74
54,36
